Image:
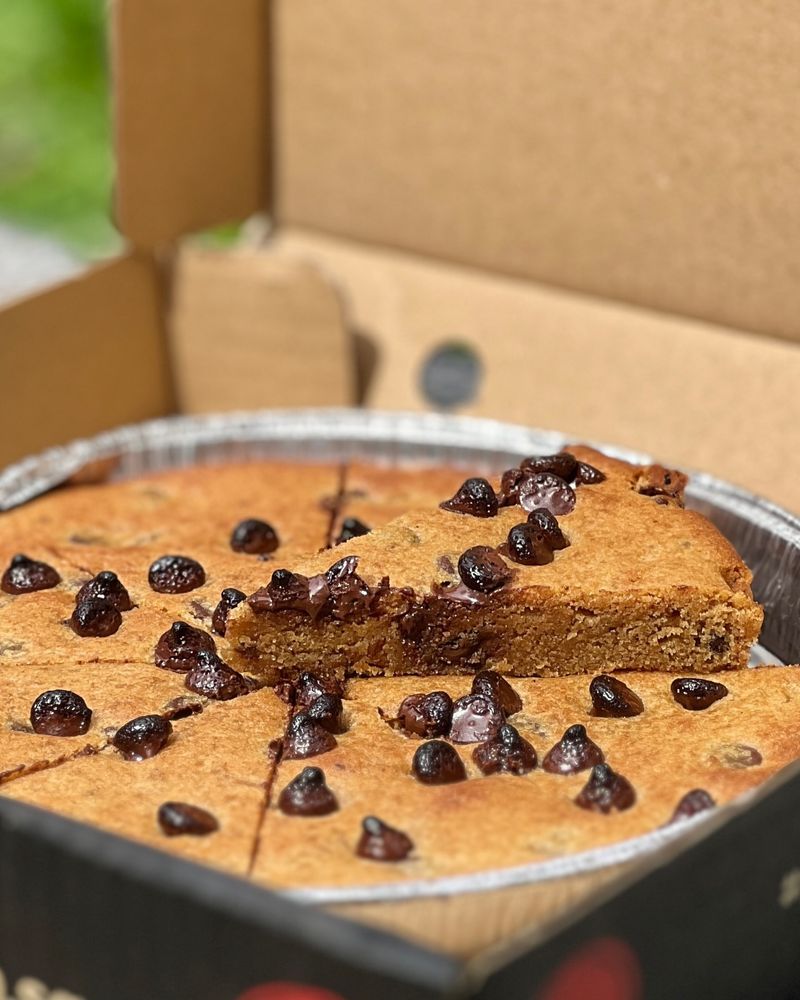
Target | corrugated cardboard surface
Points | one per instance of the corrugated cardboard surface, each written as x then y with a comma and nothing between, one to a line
191,118
692,394
82,357
251,330
646,151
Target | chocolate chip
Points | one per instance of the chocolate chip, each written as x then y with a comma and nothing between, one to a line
507,753
574,752
437,763
509,487
475,497
106,586
476,719
328,711
254,537
695,693
544,522
692,803
180,818
142,737
24,576
179,647
308,795
564,465
60,713
718,644
606,790
305,737
95,618
214,679
176,575
309,686
351,528
736,756
588,475
544,490
228,600
656,481
528,546
425,715
495,687
482,569
381,842
612,699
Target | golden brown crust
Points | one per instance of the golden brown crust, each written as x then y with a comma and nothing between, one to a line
503,820
217,760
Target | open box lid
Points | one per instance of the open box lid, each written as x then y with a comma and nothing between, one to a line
648,156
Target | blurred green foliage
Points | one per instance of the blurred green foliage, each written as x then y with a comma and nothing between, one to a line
55,150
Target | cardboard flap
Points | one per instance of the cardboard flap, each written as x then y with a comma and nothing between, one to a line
191,114
692,394
646,152
81,358
249,331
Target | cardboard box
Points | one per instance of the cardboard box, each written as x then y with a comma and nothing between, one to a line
578,216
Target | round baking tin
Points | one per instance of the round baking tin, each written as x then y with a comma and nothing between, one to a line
766,536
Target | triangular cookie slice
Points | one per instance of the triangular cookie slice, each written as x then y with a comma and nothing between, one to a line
573,563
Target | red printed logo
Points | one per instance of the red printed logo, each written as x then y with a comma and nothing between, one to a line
288,991
605,969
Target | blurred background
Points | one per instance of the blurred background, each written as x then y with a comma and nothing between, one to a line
55,148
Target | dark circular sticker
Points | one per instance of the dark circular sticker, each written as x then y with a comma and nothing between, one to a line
451,375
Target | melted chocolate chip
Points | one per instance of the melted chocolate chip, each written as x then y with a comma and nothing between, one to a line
143,737
425,715
180,646
528,546
228,600
180,818
612,699
736,756
214,679
588,475
544,522
476,719
308,795
437,763
544,490
475,497
507,753
182,707
656,481
494,686
256,538
574,752
606,790
95,618
564,465
695,693
509,487
328,711
60,713
381,842
482,569
106,586
305,737
692,803
176,575
351,528
24,576
308,687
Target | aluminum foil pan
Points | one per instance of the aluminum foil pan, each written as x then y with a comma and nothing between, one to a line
767,537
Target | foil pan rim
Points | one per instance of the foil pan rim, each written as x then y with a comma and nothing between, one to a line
178,437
